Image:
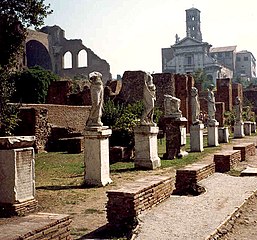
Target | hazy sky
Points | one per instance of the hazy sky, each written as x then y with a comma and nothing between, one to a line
129,34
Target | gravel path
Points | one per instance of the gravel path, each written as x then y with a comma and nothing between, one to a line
184,217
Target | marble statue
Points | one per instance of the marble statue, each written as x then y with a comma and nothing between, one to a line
195,106
238,108
149,96
211,104
172,106
96,89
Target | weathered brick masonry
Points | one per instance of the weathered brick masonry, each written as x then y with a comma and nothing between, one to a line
44,226
247,150
125,204
188,177
226,160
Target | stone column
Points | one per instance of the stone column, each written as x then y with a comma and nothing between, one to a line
173,127
213,134
239,130
247,128
17,175
196,138
146,148
96,156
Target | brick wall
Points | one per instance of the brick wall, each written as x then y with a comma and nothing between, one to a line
226,160
73,117
165,84
247,150
125,204
58,92
37,226
224,92
237,90
187,178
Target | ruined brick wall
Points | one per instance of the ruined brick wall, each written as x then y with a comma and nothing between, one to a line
181,86
58,92
224,92
73,117
219,115
165,84
237,90
34,122
132,86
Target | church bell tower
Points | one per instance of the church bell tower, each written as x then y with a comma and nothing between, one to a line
193,24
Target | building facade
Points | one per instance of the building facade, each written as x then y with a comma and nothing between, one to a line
191,53
245,65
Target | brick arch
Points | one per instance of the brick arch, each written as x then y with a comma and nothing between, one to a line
38,54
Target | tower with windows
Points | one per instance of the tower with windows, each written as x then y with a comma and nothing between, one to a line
193,24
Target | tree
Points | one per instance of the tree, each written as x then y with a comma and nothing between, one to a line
32,85
15,17
201,77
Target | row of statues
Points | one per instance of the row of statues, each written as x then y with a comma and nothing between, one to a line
171,103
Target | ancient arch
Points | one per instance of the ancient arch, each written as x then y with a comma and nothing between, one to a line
38,55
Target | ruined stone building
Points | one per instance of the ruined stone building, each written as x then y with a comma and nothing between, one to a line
191,53
68,58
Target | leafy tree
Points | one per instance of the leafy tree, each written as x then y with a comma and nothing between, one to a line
201,77
32,85
15,17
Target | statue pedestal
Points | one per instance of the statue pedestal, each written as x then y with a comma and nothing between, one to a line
253,127
17,176
146,147
223,134
173,130
239,130
247,128
96,156
196,138
213,135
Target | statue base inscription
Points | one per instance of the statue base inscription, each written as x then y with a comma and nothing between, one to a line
146,148
96,156
196,138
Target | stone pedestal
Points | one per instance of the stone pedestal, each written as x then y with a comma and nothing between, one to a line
96,156
196,138
213,135
247,128
146,148
253,127
223,135
239,130
173,128
17,176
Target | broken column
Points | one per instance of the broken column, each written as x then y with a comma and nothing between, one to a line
17,175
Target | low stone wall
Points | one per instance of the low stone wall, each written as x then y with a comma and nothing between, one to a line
225,161
187,178
37,226
125,204
247,150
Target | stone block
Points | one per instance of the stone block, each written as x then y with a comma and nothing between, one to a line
239,130
247,128
223,134
213,134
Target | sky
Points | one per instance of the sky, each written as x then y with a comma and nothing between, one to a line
129,34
